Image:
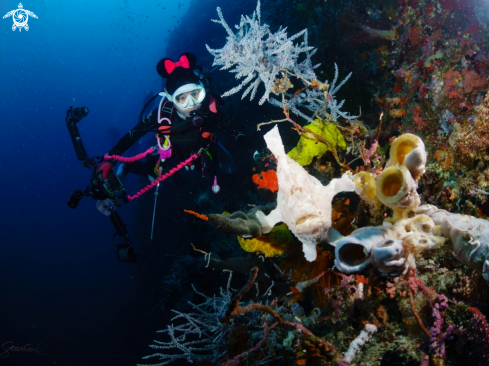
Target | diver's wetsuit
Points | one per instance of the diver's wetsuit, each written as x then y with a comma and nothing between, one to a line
186,139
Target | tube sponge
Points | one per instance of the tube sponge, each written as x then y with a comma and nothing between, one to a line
388,257
469,236
365,185
398,182
306,150
389,248
353,251
396,187
409,150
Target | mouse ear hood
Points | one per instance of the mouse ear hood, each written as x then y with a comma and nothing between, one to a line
166,66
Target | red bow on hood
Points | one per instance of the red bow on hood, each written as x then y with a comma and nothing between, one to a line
183,62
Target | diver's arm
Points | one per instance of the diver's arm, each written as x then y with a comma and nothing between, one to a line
130,138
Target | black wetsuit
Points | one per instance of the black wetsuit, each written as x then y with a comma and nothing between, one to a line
186,139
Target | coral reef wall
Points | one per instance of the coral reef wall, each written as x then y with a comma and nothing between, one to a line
400,276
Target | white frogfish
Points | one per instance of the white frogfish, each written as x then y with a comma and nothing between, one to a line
303,203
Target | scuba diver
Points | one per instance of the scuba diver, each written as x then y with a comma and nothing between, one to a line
184,123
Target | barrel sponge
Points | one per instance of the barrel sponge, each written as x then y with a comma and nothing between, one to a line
276,242
306,150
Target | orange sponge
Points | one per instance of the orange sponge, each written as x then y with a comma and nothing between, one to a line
267,180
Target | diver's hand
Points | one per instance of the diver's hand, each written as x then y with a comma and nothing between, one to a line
104,167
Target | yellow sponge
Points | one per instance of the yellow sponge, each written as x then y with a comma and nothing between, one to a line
306,150
278,241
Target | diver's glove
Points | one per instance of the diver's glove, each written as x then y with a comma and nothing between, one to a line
105,167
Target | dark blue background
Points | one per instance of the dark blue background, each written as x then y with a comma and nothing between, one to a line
60,280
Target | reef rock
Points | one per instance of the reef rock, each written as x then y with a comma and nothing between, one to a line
303,203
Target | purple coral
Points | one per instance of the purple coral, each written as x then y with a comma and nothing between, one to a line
438,342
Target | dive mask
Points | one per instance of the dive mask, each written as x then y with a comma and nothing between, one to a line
188,96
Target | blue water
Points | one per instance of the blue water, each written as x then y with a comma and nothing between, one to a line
60,280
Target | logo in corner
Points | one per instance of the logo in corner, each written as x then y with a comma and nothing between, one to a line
20,17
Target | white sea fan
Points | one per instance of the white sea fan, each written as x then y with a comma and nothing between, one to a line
203,321
257,55
314,100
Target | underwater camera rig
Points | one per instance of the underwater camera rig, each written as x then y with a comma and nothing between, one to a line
109,191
